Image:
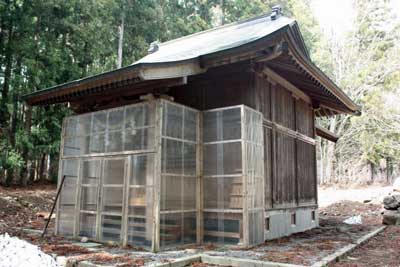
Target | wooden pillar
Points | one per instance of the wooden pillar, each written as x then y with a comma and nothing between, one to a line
199,184
125,200
245,215
157,175
296,159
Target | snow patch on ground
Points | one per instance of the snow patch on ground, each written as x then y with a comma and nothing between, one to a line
330,195
15,252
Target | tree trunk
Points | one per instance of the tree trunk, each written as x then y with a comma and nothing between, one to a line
329,154
4,116
372,166
42,167
222,3
121,39
25,152
321,163
9,176
32,171
7,77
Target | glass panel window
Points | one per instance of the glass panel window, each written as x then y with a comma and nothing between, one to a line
142,170
139,116
89,198
115,119
66,210
66,220
140,231
112,199
68,193
114,141
222,125
171,229
189,158
114,171
190,125
84,124
87,225
90,172
171,193
189,193
99,122
97,143
71,126
71,146
139,139
222,158
223,193
172,157
189,227
172,122
111,228
138,200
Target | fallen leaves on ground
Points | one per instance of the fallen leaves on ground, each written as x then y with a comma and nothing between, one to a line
26,207
104,257
381,250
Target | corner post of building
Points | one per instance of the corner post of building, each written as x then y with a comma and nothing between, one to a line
199,184
315,158
296,158
99,227
60,168
155,244
261,134
125,208
77,201
245,224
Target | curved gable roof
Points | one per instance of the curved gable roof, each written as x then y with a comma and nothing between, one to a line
216,40
187,55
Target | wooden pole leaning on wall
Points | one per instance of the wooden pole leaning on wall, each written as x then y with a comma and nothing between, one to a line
54,205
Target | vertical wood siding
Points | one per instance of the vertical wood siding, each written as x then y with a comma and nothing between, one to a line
284,190
304,118
306,173
268,163
284,108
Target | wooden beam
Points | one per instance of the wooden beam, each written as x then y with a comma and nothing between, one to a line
325,133
286,84
305,84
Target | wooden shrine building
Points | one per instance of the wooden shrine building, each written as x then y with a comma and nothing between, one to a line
208,138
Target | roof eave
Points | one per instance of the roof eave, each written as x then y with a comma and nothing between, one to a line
319,75
137,73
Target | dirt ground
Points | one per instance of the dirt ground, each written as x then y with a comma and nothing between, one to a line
381,250
27,208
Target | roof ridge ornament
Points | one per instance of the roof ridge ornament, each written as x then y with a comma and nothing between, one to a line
276,12
154,47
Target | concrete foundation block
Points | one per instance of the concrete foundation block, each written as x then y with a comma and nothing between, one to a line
182,262
216,260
